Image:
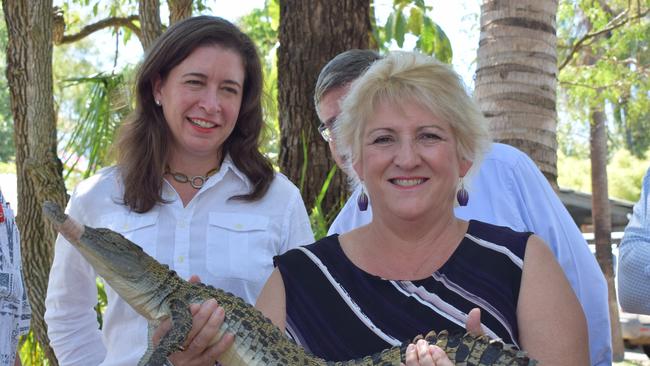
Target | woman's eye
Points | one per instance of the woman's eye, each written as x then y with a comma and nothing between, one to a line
429,137
194,82
382,140
231,90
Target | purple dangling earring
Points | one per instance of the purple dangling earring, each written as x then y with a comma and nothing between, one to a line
462,195
362,201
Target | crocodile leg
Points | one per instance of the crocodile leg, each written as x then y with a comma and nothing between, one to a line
181,319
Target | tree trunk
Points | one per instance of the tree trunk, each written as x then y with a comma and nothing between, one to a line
149,11
179,10
601,218
311,33
29,74
516,77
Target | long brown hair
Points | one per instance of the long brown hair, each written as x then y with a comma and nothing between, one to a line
143,139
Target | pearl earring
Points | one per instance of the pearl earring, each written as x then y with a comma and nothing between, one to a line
158,102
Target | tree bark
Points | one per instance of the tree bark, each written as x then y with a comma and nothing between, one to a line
311,33
601,218
29,74
516,77
179,10
150,25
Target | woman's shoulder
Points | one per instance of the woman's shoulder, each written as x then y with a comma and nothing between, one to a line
323,246
281,184
486,230
487,234
108,175
98,193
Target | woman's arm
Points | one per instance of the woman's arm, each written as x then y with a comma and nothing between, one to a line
272,301
552,326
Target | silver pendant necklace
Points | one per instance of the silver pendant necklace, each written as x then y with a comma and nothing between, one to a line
196,181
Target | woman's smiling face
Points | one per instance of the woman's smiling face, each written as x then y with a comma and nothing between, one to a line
409,161
201,98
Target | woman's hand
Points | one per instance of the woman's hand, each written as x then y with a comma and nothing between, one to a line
424,354
198,348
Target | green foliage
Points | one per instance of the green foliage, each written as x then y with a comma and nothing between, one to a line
409,17
624,171
7,168
262,26
31,352
610,70
319,220
93,134
7,150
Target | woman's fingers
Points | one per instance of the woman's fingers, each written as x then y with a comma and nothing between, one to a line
208,333
424,354
439,356
473,325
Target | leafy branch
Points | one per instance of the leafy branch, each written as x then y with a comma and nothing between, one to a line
111,22
615,23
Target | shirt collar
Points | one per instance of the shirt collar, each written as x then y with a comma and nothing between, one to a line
229,165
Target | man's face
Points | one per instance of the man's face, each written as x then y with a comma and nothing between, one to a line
328,111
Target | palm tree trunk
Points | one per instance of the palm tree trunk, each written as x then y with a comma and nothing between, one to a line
516,76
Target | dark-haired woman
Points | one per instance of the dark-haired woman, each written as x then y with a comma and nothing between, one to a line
190,186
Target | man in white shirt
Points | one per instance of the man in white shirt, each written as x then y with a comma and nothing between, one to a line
507,190
15,312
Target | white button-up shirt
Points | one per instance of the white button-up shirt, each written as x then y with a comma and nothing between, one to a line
230,244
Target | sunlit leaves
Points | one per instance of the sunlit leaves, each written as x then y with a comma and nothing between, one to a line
409,17
611,69
88,146
625,173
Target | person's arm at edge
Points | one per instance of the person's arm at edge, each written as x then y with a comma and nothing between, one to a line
552,325
634,253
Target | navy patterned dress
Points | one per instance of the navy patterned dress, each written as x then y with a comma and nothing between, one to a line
338,312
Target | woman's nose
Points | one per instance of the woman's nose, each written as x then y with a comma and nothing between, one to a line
210,102
407,155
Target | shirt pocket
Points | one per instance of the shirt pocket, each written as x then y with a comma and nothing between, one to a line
138,228
238,246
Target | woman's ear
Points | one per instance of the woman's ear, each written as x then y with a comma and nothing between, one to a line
464,166
156,87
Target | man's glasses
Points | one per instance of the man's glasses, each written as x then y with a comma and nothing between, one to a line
325,132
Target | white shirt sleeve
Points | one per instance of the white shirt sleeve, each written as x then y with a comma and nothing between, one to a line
634,252
71,295
296,228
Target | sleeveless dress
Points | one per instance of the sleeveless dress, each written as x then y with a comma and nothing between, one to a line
339,312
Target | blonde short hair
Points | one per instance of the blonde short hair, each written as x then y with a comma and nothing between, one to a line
402,77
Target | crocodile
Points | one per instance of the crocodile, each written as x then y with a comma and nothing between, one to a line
157,293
